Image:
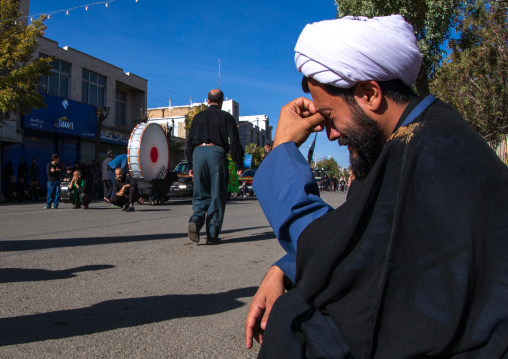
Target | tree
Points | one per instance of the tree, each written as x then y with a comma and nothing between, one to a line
474,77
330,165
19,73
432,21
191,114
256,152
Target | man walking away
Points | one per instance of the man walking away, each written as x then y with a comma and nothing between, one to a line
207,148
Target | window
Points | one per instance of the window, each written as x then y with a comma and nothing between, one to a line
120,106
93,89
56,84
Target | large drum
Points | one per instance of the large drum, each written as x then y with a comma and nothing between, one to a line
148,152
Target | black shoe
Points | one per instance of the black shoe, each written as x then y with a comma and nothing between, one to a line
76,206
193,231
125,206
130,209
213,240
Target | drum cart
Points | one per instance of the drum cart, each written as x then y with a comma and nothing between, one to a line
156,191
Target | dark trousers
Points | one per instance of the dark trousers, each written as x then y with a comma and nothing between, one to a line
297,330
107,187
211,176
130,197
83,199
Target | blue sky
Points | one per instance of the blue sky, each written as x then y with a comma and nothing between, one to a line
176,45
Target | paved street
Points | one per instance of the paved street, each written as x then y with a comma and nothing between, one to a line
103,283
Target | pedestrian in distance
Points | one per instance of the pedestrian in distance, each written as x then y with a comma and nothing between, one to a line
415,262
34,170
53,173
107,183
23,170
212,135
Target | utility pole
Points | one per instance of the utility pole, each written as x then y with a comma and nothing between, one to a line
170,102
218,83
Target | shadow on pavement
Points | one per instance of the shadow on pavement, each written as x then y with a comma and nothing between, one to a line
36,244
115,314
11,275
255,237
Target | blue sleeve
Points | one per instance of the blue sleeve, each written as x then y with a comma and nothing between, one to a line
289,197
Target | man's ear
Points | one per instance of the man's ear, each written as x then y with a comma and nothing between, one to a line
369,96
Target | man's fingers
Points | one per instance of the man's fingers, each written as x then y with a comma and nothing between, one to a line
304,104
252,327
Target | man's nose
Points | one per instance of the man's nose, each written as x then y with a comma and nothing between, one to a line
332,133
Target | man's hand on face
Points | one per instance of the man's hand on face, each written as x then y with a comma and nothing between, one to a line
271,288
297,121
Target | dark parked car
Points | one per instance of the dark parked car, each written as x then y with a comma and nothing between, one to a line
182,188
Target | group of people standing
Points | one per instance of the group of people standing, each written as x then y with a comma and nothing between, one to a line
26,186
333,183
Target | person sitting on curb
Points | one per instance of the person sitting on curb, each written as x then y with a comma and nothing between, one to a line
125,189
79,190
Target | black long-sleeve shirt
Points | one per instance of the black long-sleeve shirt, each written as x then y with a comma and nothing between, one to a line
53,176
127,179
215,126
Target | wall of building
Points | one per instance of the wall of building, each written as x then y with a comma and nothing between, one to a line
134,86
38,138
255,129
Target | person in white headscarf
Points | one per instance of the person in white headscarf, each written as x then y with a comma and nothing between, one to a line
405,268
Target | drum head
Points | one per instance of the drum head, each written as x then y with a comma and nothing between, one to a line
152,154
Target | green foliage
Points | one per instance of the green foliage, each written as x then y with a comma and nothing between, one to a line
432,21
474,77
191,114
19,73
330,165
256,152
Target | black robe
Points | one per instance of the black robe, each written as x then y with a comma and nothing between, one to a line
415,263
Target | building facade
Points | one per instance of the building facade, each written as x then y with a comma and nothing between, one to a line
255,129
251,129
78,86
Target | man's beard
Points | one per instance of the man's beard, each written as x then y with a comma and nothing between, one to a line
364,136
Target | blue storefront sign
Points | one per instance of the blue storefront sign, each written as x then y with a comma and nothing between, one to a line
63,116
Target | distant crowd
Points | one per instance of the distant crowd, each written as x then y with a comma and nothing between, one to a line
25,187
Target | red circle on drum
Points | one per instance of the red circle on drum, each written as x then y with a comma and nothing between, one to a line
154,154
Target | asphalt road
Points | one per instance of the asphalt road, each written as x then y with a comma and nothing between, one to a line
102,283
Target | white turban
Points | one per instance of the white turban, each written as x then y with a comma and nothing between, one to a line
344,51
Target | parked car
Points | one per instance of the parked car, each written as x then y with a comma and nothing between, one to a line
182,188
245,183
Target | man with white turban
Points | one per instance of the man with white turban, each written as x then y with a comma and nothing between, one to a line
415,262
